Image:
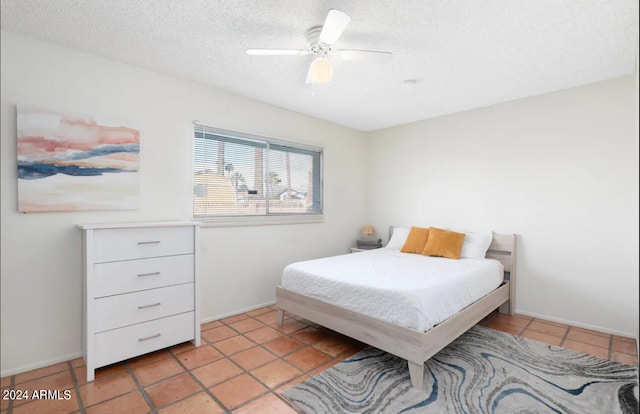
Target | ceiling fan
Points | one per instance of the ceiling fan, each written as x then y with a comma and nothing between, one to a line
321,40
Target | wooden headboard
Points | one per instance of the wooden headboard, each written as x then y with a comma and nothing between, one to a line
503,249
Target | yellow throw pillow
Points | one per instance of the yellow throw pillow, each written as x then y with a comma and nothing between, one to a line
416,240
443,243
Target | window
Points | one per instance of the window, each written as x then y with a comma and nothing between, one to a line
238,175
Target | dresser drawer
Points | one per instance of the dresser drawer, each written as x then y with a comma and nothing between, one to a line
113,278
124,343
122,310
126,244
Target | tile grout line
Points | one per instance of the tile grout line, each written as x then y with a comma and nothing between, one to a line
244,371
288,403
564,337
76,387
610,347
304,372
98,403
270,390
284,334
526,326
139,387
205,389
12,386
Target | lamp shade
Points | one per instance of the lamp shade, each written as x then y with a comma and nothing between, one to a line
320,70
368,230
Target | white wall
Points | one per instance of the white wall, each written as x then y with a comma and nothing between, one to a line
560,170
41,253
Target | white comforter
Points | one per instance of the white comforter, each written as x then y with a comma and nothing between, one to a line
408,290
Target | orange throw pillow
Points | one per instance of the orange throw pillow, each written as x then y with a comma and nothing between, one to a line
416,240
443,243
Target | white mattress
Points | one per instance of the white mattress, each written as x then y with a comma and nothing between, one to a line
408,290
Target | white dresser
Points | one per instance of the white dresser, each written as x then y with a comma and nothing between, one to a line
140,289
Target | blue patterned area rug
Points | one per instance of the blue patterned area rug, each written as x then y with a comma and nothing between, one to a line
483,371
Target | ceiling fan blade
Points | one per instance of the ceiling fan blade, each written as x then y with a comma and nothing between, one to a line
308,80
333,26
277,52
371,56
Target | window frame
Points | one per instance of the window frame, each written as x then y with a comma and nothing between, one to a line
257,219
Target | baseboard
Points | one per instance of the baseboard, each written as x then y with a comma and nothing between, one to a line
69,357
577,324
236,312
40,364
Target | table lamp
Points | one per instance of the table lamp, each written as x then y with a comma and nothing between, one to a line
368,230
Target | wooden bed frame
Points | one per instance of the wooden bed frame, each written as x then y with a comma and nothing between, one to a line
414,346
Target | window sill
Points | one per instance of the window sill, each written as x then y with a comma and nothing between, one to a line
259,220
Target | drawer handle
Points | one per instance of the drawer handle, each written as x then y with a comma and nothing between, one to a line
148,337
148,274
149,306
150,242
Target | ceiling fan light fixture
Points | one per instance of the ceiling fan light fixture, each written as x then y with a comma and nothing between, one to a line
320,70
321,44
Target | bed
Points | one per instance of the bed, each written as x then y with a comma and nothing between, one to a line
406,327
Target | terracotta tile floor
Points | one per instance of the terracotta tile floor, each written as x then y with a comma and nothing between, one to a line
242,366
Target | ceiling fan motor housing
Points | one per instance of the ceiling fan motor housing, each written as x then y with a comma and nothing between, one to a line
315,45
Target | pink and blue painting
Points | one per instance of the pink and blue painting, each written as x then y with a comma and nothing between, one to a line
72,162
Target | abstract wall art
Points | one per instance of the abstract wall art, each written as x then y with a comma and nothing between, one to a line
72,162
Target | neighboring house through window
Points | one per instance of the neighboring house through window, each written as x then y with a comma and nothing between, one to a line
237,175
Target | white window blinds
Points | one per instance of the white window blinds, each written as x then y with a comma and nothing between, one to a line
237,175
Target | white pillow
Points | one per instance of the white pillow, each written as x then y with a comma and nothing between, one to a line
475,245
398,237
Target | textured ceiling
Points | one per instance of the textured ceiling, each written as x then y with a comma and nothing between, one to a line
462,54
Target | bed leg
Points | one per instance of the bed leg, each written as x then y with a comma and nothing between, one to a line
506,308
280,317
416,372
